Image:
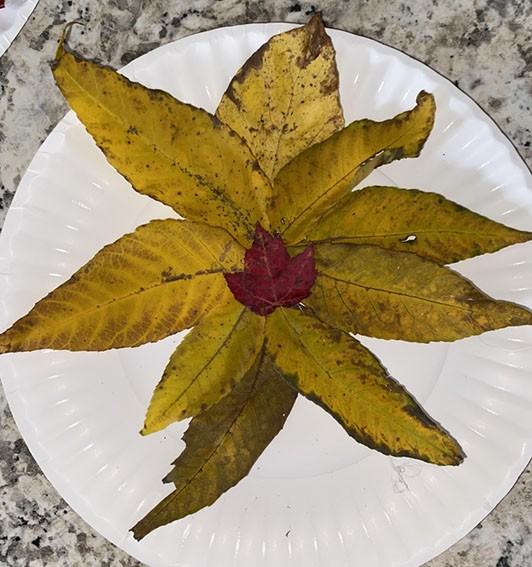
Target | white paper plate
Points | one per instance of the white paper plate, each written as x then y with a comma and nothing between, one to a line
315,498
13,16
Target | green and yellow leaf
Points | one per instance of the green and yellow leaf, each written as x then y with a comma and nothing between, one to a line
223,443
285,97
320,176
209,362
397,295
408,220
174,152
149,284
334,370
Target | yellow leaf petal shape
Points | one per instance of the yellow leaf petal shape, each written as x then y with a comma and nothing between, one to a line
397,295
317,178
149,284
410,220
285,97
212,358
223,443
334,370
174,152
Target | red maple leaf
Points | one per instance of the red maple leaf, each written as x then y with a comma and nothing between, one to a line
271,278
2,3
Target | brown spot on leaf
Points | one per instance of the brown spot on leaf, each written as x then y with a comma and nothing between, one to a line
317,39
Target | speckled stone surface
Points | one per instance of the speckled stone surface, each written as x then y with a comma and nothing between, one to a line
485,47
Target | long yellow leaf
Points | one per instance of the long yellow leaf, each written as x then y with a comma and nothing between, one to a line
334,370
169,150
285,97
223,443
409,220
149,284
397,295
212,358
317,178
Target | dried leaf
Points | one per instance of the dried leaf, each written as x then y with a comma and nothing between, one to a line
409,220
176,153
223,443
285,98
334,370
149,284
271,278
207,364
396,295
325,172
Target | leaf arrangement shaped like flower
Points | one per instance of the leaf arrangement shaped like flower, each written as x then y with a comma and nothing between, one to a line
275,263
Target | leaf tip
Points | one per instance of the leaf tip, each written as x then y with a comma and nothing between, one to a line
316,25
139,530
452,453
6,345
425,96
151,424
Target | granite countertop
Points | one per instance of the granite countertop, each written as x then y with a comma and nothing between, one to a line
484,47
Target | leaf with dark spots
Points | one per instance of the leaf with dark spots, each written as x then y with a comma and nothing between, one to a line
398,295
111,301
410,220
334,370
285,97
155,156
271,278
223,443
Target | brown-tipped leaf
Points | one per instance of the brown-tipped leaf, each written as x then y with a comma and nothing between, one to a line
147,285
208,363
223,443
334,370
409,220
317,178
397,295
285,97
174,152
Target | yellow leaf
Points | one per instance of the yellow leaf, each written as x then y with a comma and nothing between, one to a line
149,284
176,153
285,97
212,358
334,370
223,443
325,172
409,220
396,295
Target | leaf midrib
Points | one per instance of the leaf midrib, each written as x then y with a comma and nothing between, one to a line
128,296
368,288
412,231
